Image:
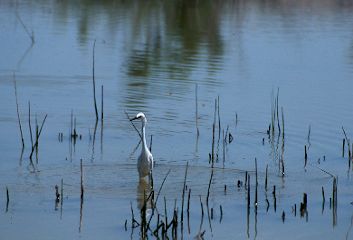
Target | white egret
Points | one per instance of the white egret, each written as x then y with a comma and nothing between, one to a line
145,160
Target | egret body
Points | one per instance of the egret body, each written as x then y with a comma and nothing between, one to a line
145,160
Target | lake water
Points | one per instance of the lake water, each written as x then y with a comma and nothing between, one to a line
151,56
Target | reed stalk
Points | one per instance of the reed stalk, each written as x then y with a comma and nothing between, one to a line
102,102
94,82
29,122
209,186
18,111
7,199
30,35
183,195
266,177
256,184
82,188
196,110
213,133
37,138
343,143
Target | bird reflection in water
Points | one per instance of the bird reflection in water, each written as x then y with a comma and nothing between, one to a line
144,190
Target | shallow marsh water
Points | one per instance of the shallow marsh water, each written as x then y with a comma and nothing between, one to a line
149,56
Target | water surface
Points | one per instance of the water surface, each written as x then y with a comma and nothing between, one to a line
150,56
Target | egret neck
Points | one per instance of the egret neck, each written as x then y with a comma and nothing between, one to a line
144,148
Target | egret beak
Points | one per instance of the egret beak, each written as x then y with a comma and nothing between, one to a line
132,119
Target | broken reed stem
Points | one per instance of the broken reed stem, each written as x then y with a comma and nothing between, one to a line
226,134
62,192
224,148
246,179
213,131
165,211
323,194
82,188
349,151
160,188
219,120
202,212
274,197
248,191
7,199
127,115
282,158
305,156
309,132
29,122
151,143
196,111
102,109
57,195
345,135
94,83
282,125
209,186
334,192
30,35
334,201
183,195
266,177
279,128
273,105
188,208
143,217
256,184
133,221
71,124
343,143
37,137
81,206
18,112
295,210
304,205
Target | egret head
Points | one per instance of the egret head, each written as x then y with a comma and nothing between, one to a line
140,116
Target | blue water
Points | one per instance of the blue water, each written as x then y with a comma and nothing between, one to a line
150,57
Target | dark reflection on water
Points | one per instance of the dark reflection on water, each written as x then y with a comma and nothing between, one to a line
143,192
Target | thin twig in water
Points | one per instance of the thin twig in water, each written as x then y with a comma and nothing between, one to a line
127,115
30,35
256,184
37,139
18,112
7,199
219,121
213,131
155,203
183,195
94,83
29,121
160,188
196,111
328,173
345,135
209,186
102,111
151,143
82,188
279,128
